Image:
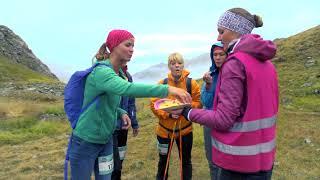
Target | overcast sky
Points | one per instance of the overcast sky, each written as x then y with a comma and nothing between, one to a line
66,34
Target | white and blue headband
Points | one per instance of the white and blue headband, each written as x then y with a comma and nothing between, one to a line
236,23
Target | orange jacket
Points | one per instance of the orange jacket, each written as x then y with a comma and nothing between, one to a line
165,127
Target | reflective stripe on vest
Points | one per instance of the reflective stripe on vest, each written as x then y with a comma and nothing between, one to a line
248,126
254,125
244,150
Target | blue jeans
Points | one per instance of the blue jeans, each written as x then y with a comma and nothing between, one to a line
223,174
86,157
208,148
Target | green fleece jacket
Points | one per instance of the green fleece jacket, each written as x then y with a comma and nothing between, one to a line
98,122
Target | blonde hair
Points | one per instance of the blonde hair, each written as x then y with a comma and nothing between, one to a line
175,57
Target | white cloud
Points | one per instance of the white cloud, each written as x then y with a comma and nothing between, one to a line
140,52
173,37
152,44
182,49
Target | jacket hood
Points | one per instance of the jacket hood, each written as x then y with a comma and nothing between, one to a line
254,45
213,64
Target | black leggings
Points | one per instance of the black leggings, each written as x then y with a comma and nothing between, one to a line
187,141
119,144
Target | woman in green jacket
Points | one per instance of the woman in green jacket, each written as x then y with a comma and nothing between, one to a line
91,143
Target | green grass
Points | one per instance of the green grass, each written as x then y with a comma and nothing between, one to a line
298,82
34,149
11,108
38,159
296,158
14,72
15,131
56,110
22,121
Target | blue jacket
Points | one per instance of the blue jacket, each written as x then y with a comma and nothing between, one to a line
128,104
207,96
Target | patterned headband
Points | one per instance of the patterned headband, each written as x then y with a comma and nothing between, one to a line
235,22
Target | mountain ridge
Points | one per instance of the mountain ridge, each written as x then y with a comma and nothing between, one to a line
15,49
197,66
305,42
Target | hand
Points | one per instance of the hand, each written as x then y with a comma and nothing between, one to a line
207,77
135,132
181,94
126,121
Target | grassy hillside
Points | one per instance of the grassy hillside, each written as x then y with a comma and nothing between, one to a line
298,65
13,72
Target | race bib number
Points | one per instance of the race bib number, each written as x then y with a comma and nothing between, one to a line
122,152
163,148
105,164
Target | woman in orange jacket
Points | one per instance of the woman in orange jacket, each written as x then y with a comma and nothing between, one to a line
176,125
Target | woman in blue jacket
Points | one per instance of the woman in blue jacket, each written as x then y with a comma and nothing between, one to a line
218,56
120,136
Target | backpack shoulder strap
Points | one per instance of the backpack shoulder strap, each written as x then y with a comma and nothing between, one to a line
98,96
189,86
165,81
101,64
188,83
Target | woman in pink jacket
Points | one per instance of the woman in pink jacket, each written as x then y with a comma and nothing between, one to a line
243,117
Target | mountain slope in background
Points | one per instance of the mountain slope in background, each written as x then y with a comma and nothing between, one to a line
23,75
297,62
11,72
14,49
298,66
197,66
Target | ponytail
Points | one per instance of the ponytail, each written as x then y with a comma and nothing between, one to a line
258,21
102,53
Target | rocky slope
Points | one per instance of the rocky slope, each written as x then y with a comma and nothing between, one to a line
14,48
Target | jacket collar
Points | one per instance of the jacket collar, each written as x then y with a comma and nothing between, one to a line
185,73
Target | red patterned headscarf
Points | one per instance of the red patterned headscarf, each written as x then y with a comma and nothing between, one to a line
117,36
